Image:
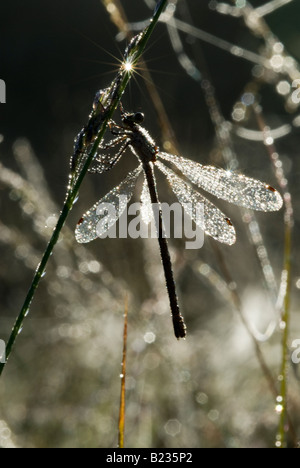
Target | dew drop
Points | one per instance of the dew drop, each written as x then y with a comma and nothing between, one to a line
173,427
201,398
43,274
282,325
76,200
213,415
279,409
20,331
269,141
149,337
51,221
26,313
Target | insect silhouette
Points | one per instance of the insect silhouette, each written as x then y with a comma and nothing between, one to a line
226,185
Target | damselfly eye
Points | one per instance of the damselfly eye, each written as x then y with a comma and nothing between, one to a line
139,117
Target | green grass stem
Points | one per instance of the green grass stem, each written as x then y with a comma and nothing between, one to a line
117,90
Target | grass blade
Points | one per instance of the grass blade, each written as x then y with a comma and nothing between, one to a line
123,380
115,93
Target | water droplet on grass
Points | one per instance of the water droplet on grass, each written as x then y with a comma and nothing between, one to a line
282,325
279,409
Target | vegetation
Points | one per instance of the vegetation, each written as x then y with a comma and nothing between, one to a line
222,90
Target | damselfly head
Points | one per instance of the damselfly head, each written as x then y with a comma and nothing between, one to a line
133,118
139,117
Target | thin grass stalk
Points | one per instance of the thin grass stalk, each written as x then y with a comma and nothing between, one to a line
282,399
259,354
116,91
123,381
226,144
230,157
282,396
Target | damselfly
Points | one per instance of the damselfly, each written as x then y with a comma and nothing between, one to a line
229,186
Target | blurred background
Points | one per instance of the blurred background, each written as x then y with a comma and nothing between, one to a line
61,386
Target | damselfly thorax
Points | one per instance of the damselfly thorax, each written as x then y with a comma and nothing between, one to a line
139,140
